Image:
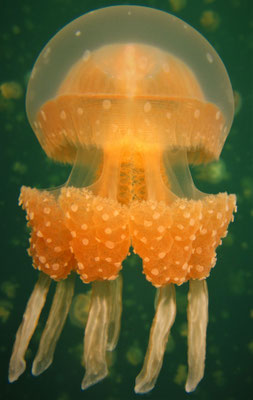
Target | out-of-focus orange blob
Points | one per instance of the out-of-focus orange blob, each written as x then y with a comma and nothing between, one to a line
11,90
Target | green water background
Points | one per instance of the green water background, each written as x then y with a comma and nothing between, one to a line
25,27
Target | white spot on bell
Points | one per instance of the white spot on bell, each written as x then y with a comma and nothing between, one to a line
147,106
161,228
162,254
147,223
107,104
57,249
63,115
209,57
86,55
43,115
110,245
165,67
105,217
74,207
196,114
80,265
156,215
79,111
155,271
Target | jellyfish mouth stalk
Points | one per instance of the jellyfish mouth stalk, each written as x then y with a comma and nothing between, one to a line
85,168
54,325
178,173
162,323
163,320
57,316
123,175
101,333
197,313
26,329
102,329
125,172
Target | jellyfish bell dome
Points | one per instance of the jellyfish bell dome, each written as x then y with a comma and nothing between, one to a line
108,78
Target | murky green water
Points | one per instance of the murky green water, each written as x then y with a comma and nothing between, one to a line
25,28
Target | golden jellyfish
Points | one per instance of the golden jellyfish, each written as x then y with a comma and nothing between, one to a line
130,96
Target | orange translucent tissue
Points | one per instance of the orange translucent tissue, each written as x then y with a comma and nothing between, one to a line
130,114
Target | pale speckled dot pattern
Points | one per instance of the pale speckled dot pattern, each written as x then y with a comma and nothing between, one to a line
99,248
186,248
92,235
217,212
49,243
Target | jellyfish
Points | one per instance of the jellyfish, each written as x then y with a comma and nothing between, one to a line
131,108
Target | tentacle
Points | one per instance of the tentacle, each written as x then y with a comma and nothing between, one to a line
96,339
114,313
162,323
27,327
197,323
56,320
